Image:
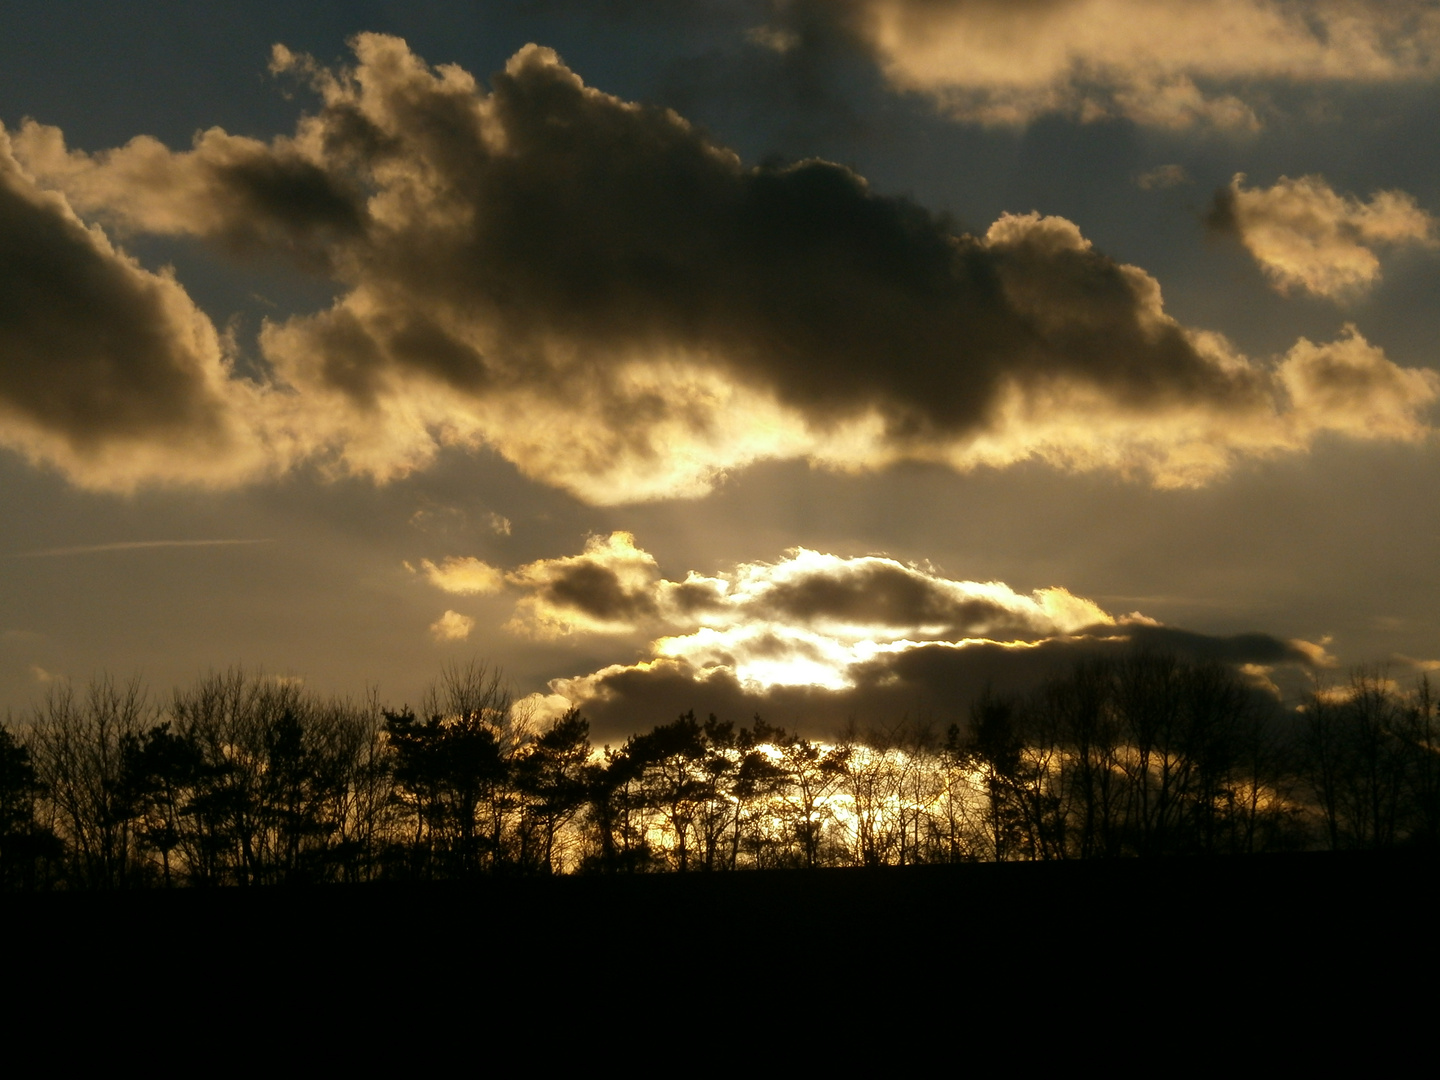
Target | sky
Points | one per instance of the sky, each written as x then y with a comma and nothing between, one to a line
830,360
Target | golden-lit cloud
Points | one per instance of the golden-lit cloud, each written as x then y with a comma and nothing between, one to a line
463,575
823,633
624,310
616,587
247,195
1316,653
452,626
108,371
1307,236
1156,62
1356,688
1422,666
1347,386
610,588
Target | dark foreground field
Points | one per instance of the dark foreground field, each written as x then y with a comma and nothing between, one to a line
1260,920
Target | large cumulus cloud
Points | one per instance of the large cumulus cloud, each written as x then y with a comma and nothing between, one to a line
1156,62
814,639
625,310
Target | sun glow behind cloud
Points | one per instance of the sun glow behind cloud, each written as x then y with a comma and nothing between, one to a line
814,622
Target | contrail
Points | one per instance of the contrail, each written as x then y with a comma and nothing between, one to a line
130,545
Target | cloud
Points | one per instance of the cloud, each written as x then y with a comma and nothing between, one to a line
813,638
465,576
1348,386
1155,62
1161,177
616,587
1305,235
608,589
1359,688
243,194
1422,666
1316,654
776,39
624,310
452,626
108,371
927,681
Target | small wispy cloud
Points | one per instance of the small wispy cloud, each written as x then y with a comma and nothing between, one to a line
1163,176
466,576
130,545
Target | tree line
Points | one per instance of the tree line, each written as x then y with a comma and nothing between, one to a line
241,780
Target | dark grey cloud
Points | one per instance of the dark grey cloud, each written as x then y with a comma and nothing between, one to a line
1238,649
547,238
621,229
623,308
86,344
608,588
100,360
596,591
931,683
616,585
883,593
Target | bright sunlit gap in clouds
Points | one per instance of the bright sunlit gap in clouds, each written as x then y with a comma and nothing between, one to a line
811,621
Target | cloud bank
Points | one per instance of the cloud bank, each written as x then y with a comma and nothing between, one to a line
814,639
613,302
1155,62
1307,236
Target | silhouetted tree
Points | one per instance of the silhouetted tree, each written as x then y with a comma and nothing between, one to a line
28,849
1357,761
551,778
453,772
446,770
1419,728
760,787
996,744
673,785
77,746
159,770
617,814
